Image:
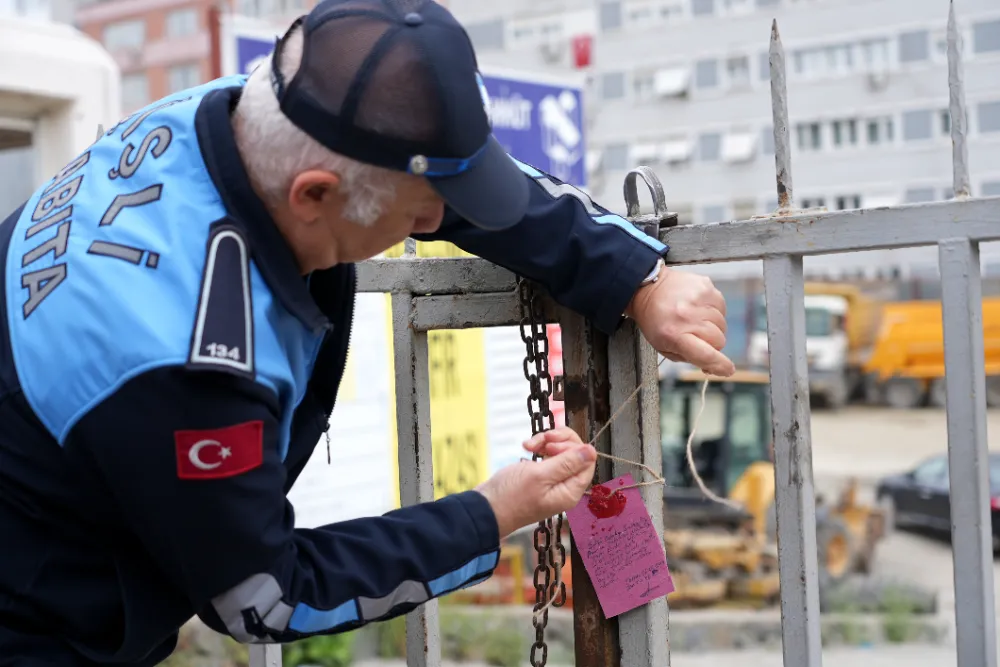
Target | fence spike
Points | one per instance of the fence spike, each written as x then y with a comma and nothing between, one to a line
100,131
957,108
779,112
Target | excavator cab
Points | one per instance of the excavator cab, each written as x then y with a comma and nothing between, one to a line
733,454
734,432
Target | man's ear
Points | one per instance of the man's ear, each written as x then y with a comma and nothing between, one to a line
312,193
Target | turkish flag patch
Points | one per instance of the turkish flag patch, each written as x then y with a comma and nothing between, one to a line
219,453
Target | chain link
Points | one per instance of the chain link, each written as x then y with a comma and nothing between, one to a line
548,533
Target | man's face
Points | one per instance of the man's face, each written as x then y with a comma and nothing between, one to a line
416,209
324,236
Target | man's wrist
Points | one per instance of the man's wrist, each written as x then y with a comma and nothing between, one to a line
505,523
653,277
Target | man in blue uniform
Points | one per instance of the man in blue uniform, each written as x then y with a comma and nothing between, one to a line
177,311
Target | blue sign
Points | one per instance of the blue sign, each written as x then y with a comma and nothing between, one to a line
250,51
538,123
541,124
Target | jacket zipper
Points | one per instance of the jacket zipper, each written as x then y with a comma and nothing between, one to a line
342,356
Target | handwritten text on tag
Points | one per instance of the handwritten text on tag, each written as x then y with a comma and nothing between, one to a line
620,549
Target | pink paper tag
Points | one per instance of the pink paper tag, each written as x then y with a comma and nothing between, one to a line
619,547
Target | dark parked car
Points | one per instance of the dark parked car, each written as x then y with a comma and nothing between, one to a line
920,498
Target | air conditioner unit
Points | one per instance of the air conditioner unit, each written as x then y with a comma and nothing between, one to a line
553,51
877,81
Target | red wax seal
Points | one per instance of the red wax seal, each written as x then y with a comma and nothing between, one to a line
604,504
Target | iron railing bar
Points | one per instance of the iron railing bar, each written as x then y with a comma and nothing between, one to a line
804,233
779,115
968,455
434,275
795,500
643,632
827,233
416,470
474,311
957,108
264,655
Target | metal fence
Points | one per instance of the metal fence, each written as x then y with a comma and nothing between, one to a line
600,372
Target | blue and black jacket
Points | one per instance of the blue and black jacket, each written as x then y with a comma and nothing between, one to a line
165,374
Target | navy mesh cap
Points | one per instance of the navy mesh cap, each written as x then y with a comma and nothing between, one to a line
395,83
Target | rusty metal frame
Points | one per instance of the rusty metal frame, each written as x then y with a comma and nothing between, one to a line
461,293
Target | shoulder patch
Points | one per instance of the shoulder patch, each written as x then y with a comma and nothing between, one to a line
223,335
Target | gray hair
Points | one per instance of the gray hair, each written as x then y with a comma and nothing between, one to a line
274,150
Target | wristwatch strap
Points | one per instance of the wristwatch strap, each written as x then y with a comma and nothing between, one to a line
654,275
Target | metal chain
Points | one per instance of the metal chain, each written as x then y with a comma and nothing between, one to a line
536,343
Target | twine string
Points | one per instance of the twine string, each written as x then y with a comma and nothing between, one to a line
657,478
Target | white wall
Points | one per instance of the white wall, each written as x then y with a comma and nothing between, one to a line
64,83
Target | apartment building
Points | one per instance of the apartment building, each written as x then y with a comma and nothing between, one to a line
684,87
163,46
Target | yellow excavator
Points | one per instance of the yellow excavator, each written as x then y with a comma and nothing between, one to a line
719,555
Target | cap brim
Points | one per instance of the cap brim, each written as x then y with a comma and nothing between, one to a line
492,195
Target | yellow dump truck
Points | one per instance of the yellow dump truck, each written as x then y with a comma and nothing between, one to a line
905,368
861,345
841,326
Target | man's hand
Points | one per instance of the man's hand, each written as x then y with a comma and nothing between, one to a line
527,492
683,316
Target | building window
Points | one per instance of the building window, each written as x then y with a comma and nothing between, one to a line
713,213
845,132
846,202
813,202
808,62
709,146
610,15
768,3
640,14
767,140
613,85
914,46
737,6
181,77
764,63
738,71
875,54
918,125
182,22
135,91
986,36
702,7
917,195
706,73
839,58
991,189
810,136
488,34
616,157
642,85
744,209
685,213
125,35
989,116
672,11
879,130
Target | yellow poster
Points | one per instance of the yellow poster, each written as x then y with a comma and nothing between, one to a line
457,368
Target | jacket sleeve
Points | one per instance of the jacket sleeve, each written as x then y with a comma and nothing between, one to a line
219,526
589,259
